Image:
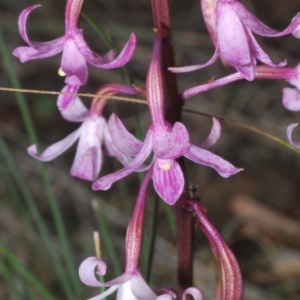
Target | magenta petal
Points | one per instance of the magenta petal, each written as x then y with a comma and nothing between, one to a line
104,183
56,149
75,111
291,99
232,38
170,142
259,53
196,67
206,158
195,293
51,48
113,150
214,135
22,23
88,158
168,182
289,131
98,61
36,50
72,62
123,139
251,21
87,271
63,101
110,55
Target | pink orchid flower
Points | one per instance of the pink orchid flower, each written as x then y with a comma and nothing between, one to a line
91,134
76,53
167,143
231,25
130,285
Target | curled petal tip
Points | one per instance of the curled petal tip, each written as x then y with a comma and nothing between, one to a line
88,268
32,150
289,131
231,172
98,185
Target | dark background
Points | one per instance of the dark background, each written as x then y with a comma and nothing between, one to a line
257,210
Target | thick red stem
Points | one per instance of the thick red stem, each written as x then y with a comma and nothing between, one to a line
162,21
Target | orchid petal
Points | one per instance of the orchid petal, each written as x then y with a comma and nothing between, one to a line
98,61
196,67
92,265
250,21
123,139
88,158
22,23
172,143
124,159
194,292
44,50
232,39
63,100
259,53
289,131
110,55
75,111
168,181
56,149
296,32
72,62
208,8
104,183
291,99
36,50
114,151
206,158
87,271
214,135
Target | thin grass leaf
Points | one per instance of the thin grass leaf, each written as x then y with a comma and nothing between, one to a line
13,193
59,225
10,281
106,39
38,219
22,271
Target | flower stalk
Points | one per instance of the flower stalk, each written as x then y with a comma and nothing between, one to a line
184,238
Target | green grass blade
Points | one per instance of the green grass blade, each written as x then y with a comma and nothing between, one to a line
20,269
38,219
9,281
98,30
13,193
50,195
